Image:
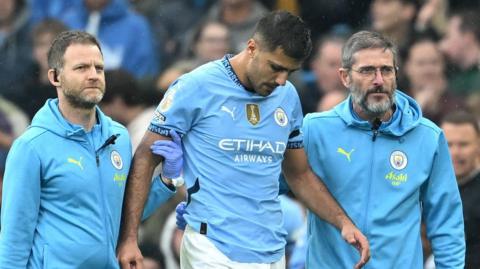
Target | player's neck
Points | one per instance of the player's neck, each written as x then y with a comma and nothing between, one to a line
239,63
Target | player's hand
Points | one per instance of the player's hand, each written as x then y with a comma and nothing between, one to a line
173,154
354,237
180,210
129,255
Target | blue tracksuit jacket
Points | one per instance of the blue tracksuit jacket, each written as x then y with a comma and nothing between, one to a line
63,193
386,181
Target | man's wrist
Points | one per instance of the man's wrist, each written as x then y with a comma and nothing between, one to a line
178,181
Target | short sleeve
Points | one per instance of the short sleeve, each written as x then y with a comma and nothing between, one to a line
295,139
177,110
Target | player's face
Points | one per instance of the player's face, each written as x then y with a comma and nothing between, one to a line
463,143
267,70
371,81
82,79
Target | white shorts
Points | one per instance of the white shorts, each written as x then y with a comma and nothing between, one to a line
198,252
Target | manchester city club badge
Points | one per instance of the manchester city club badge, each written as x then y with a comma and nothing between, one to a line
116,159
281,117
398,160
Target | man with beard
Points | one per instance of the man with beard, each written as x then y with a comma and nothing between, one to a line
65,176
240,120
386,165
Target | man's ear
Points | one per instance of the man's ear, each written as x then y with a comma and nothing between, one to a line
251,47
53,77
345,77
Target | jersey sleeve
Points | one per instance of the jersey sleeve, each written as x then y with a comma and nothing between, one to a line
295,139
178,109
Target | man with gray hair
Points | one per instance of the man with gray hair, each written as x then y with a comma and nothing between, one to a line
386,165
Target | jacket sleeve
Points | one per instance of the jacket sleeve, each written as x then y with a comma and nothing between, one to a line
159,193
442,211
20,205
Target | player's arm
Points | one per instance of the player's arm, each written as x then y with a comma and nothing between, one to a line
164,188
315,195
137,189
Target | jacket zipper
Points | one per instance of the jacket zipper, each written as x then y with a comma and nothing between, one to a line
110,140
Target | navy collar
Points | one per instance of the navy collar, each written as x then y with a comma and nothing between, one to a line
231,73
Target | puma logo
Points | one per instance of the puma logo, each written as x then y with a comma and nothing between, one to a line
78,163
224,108
344,152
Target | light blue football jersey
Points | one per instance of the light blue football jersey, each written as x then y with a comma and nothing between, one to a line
233,141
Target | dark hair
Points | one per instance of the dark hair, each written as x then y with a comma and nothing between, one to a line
470,21
462,117
281,29
366,40
124,85
201,28
63,41
199,31
48,26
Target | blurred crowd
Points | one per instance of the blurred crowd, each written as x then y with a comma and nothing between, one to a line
147,44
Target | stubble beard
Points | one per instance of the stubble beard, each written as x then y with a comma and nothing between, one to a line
77,101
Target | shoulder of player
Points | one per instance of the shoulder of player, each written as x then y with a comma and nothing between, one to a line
200,81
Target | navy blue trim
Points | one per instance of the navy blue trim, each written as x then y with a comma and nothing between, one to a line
226,63
294,134
295,145
193,189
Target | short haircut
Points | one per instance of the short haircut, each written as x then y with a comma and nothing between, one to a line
462,117
366,40
63,41
48,26
281,29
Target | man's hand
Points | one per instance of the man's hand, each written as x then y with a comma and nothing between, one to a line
354,237
180,210
173,154
129,255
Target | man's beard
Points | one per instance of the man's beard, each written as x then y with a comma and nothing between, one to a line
77,101
376,109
